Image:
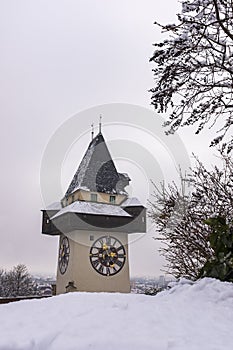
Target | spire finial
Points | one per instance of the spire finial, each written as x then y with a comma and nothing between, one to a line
100,123
92,131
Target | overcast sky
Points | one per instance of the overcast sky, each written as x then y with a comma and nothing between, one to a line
58,59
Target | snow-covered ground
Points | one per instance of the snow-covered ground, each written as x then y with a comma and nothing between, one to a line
188,316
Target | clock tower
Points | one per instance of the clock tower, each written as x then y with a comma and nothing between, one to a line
93,221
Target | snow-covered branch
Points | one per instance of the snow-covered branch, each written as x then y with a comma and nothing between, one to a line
194,67
180,214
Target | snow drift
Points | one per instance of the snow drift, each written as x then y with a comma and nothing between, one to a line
188,316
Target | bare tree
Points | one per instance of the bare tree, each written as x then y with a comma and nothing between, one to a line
180,214
2,272
16,282
194,68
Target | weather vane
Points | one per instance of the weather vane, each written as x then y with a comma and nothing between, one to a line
92,131
100,123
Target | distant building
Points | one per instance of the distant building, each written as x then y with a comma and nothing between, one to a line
44,290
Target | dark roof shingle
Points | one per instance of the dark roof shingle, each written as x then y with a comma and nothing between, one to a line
97,171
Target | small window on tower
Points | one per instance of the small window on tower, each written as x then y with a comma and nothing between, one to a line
72,198
93,197
112,199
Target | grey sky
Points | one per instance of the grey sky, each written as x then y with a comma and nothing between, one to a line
59,58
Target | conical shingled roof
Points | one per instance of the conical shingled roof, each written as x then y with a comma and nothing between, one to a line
97,172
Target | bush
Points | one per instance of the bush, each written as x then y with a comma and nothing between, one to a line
220,266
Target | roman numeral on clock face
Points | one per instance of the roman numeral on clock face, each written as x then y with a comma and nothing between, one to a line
119,263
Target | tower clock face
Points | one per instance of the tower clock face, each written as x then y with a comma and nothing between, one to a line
64,253
107,255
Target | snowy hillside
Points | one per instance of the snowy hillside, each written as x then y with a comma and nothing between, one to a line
189,316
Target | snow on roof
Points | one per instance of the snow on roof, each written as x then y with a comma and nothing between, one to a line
82,169
125,175
83,188
97,171
93,208
54,206
132,202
